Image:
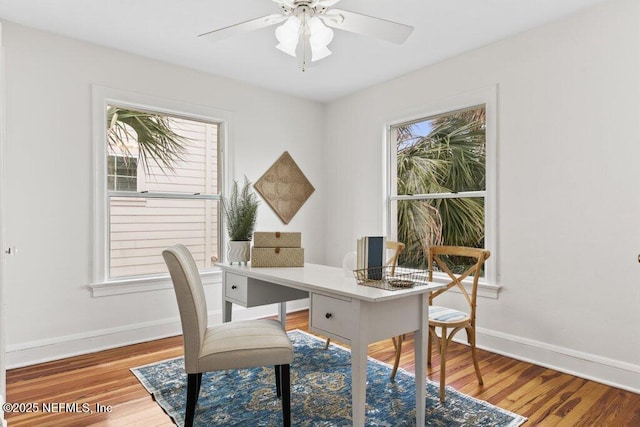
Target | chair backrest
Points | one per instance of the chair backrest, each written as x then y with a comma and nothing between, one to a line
446,257
191,300
396,247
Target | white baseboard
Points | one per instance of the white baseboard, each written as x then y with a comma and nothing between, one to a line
615,373
40,351
33,352
607,371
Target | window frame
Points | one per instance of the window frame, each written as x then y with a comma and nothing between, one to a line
102,97
488,286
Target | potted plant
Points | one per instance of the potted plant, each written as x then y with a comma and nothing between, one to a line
241,211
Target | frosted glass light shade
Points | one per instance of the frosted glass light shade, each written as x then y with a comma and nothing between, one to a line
320,32
288,35
319,37
319,52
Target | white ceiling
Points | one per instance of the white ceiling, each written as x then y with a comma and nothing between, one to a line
167,30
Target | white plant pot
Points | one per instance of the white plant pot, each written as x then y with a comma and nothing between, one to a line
239,251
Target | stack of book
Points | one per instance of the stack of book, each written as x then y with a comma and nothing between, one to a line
371,256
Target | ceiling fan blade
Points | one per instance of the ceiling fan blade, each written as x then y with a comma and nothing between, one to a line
327,3
367,25
243,27
287,3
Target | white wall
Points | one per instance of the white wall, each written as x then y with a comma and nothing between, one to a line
50,312
568,185
3,379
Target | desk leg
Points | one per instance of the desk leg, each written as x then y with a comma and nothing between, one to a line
282,314
359,366
420,344
226,314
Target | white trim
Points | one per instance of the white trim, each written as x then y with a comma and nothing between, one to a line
138,195
489,97
601,369
460,195
41,351
491,164
101,97
146,284
45,350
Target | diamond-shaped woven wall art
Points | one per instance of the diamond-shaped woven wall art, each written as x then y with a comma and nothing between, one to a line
284,187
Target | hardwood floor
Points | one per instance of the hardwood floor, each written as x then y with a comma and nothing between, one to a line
546,397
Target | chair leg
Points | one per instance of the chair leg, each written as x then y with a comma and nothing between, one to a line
193,389
471,336
443,358
432,332
286,395
278,381
326,344
398,343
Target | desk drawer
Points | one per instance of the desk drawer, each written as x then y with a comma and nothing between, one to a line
332,316
235,288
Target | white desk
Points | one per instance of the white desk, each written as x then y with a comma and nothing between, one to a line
340,309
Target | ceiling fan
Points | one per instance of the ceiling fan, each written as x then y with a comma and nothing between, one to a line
306,26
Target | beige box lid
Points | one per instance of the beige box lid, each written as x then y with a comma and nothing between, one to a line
277,239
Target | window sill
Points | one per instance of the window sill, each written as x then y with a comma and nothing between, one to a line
147,284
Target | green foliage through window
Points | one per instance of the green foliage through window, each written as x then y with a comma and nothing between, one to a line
439,159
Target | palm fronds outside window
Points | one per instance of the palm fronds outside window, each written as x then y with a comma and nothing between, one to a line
440,182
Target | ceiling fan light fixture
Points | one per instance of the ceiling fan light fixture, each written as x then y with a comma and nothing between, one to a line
307,28
319,37
319,52
319,32
288,35
289,49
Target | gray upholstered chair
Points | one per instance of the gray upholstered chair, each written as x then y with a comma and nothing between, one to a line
232,345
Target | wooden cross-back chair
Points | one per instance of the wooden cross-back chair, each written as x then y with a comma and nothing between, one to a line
397,248
448,320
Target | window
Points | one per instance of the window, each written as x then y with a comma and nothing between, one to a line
122,172
440,185
158,183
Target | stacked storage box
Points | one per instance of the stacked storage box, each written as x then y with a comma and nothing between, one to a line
276,249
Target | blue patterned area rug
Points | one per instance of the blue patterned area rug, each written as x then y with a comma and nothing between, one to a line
320,394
